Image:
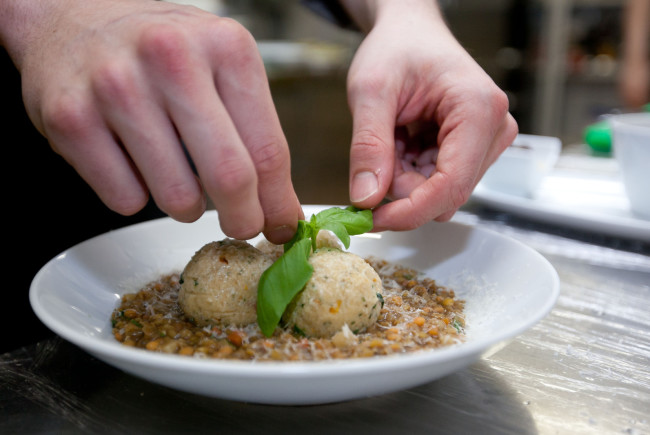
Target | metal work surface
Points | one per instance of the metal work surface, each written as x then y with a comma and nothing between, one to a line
584,369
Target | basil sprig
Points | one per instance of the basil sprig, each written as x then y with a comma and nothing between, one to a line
287,276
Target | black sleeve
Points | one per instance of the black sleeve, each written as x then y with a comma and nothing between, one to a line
332,11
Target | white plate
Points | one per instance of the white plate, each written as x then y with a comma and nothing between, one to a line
508,288
582,192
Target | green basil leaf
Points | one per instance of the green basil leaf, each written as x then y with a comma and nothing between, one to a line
280,283
358,221
327,215
354,220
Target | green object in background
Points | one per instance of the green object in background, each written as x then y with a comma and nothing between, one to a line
599,137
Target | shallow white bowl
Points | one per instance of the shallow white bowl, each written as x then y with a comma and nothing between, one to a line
521,168
631,143
507,286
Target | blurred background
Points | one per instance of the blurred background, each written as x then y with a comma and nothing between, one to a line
556,59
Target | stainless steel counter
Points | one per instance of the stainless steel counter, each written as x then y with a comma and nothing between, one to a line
583,369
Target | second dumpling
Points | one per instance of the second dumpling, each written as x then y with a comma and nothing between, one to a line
343,290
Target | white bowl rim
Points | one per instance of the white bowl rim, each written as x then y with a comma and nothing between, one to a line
299,369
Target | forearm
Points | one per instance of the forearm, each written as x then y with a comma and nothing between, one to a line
367,13
29,24
635,37
20,18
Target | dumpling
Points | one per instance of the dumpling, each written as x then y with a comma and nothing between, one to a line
343,290
219,284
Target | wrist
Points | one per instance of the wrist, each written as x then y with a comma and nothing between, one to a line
367,13
19,20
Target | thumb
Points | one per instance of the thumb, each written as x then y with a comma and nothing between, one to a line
372,153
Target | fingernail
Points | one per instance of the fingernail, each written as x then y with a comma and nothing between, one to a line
364,185
281,234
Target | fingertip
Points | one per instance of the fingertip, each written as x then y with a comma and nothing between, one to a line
191,212
379,221
128,204
126,198
370,180
280,235
241,229
401,215
184,202
363,187
241,217
446,217
281,224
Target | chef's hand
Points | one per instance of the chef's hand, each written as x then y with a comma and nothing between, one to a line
118,86
427,120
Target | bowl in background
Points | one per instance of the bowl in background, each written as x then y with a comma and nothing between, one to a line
523,165
631,144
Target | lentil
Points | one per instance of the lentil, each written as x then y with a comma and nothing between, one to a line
417,314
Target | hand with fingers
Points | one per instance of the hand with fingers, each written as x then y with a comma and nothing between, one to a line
427,120
122,88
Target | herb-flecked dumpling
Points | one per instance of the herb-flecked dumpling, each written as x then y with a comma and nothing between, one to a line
219,284
343,290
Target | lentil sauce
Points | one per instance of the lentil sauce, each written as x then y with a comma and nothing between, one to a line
417,314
